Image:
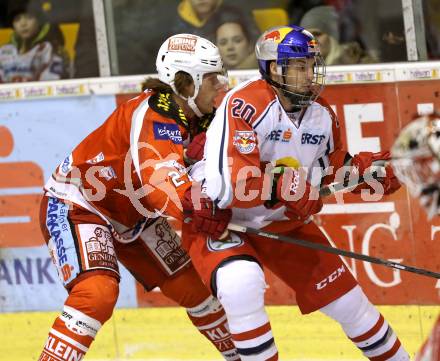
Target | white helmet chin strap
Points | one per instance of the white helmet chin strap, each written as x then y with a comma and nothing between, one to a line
190,100
192,104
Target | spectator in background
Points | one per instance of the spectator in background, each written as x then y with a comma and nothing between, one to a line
194,16
36,50
201,17
137,39
235,39
323,23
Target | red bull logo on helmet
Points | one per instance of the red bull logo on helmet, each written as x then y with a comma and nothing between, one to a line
274,35
278,35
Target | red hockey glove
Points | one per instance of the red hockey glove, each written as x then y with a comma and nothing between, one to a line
205,216
293,190
194,151
364,160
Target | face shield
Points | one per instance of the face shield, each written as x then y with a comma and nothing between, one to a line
290,60
301,80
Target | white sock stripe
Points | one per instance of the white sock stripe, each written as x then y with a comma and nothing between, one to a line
384,348
77,313
79,323
210,305
213,324
376,337
253,342
62,336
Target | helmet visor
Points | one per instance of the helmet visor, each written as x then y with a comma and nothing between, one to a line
302,77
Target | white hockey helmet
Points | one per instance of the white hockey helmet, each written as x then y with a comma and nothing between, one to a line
416,160
193,55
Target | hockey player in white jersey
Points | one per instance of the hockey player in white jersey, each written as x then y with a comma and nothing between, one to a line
279,122
416,162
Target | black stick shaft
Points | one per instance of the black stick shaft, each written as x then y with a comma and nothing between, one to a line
329,249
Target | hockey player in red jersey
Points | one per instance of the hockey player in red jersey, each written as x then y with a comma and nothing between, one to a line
108,200
279,123
416,162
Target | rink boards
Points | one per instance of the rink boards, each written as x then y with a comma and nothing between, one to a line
40,123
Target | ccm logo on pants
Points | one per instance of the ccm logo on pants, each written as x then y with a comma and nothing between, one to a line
331,278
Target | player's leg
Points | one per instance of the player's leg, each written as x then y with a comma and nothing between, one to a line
156,259
236,277
322,281
204,310
92,294
240,288
90,303
366,327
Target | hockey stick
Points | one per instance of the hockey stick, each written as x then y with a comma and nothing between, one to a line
323,192
330,249
337,187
